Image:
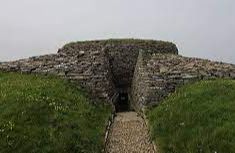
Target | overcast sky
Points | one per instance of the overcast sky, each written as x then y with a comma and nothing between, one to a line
200,28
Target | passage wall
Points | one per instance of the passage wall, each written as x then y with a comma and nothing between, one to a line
144,70
157,75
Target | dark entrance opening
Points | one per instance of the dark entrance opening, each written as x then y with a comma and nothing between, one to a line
122,104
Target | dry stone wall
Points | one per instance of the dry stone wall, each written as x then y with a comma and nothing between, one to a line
147,70
157,75
123,56
101,67
88,68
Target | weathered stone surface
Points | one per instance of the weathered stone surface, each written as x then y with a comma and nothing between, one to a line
157,75
147,70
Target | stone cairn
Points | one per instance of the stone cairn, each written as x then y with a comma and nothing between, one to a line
147,70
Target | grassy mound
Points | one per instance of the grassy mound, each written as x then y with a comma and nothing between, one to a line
44,114
155,46
198,118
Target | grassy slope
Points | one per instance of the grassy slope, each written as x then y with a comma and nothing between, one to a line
197,118
44,114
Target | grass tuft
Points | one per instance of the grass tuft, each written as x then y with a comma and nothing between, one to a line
198,118
41,114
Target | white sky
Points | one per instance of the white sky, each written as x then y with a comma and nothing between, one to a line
200,28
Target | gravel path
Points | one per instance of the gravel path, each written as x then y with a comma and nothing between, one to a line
129,134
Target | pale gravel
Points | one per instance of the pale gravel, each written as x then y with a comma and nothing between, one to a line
129,134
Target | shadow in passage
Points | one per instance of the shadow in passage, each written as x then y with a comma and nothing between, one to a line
122,104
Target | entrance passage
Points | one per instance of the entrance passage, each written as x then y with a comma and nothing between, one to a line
122,104
129,134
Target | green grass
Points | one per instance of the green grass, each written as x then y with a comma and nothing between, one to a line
122,41
137,42
198,118
41,114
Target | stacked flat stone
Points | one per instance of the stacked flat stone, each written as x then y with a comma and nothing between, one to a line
147,70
